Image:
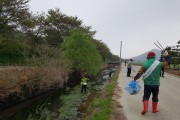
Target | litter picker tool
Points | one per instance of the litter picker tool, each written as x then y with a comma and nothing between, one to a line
159,46
133,70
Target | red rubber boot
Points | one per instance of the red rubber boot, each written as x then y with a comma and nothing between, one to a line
154,107
145,104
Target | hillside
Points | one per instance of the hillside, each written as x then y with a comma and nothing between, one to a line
142,57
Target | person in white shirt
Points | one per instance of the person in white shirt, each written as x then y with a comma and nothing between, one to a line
129,67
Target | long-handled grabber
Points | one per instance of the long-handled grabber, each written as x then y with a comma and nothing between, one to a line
133,70
158,46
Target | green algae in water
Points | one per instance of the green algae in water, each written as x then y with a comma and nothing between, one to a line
56,106
66,107
69,110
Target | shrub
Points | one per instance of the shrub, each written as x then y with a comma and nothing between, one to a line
12,53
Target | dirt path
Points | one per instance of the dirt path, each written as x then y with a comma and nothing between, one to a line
169,99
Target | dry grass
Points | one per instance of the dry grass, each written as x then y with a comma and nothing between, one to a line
12,77
174,72
48,70
117,113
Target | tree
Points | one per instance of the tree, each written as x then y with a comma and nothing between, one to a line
34,27
103,50
58,26
174,52
114,58
80,49
12,13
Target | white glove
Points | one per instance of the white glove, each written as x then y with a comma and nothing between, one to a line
165,53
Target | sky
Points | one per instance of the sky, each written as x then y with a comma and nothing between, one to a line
137,23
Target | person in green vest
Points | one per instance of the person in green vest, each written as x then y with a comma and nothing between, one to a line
84,82
151,76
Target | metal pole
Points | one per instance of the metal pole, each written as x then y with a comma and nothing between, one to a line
120,51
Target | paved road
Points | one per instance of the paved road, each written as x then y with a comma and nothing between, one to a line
169,99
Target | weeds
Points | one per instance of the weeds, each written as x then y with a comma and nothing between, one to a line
47,69
101,107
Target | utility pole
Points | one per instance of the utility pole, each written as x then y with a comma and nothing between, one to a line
120,52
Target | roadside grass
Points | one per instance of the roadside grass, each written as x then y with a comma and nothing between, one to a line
101,106
176,66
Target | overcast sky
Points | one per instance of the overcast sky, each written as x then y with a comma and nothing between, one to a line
137,23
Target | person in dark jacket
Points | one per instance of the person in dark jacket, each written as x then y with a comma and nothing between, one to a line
110,73
162,68
151,79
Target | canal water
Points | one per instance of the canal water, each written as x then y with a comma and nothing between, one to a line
56,105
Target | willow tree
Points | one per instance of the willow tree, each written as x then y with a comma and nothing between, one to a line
81,51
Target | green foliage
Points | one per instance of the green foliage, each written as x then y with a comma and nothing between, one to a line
110,88
12,13
102,107
114,58
174,66
13,36
80,49
58,26
174,53
12,52
34,27
69,110
45,56
59,107
18,24
103,50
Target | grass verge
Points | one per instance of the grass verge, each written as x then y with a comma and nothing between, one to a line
101,106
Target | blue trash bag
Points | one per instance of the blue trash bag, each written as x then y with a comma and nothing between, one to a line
133,87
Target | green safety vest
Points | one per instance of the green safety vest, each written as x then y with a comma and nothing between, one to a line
154,77
84,80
